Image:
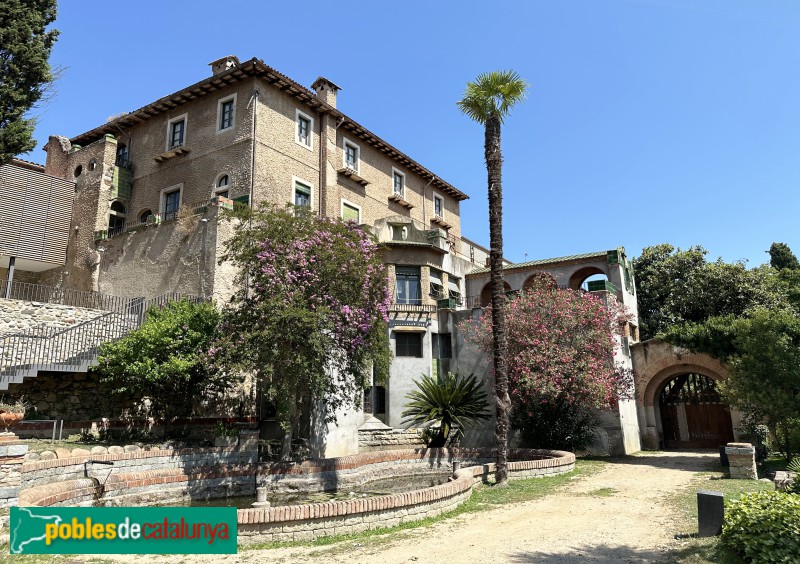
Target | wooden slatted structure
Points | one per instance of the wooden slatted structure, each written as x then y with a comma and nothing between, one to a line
693,414
35,216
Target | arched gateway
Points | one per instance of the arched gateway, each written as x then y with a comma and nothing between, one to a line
677,400
693,414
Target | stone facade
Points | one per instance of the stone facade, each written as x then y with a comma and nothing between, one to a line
388,439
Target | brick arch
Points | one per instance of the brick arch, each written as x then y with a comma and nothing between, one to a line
659,380
486,293
537,279
582,274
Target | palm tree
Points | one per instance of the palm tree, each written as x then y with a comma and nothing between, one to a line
488,101
449,402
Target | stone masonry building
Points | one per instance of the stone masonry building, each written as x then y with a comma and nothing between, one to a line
149,186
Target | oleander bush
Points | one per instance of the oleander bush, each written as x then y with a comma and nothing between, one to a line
764,527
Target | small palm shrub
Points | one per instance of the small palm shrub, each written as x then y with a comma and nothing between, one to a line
450,401
763,527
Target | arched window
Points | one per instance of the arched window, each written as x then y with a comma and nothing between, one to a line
222,186
145,215
116,218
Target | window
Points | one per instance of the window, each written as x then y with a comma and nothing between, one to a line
398,183
170,202
176,132
302,194
437,289
92,165
116,218
122,155
222,186
409,290
351,212
438,206
351,155
442,345
225,113
408,344
145,215
454,289
305,124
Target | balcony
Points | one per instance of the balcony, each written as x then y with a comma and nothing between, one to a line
352,174
412,308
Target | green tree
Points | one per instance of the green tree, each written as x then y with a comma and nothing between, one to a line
309,319
676,286
164,360
25,46
782,257
447,402
488,101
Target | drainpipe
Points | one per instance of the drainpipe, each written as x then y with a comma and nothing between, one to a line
425,201
254,102
323,163
11,263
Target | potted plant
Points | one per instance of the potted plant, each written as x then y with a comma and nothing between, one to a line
12,412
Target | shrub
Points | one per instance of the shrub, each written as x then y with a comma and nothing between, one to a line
764,527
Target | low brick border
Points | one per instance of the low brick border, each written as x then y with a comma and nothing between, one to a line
314,520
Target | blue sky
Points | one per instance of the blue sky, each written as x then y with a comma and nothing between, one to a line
647,121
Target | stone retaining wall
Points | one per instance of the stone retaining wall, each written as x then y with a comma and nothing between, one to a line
17,316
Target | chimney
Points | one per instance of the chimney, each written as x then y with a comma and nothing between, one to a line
326,90
223,64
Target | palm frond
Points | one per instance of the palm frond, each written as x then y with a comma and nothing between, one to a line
493,94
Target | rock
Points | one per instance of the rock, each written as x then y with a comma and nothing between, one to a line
99,450
131,448
48,455
115,450
33,456
80,452
63,452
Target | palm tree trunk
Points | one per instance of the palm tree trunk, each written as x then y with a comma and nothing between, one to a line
494,164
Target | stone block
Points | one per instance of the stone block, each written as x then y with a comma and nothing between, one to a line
99,450
115,450
131,448
80,452
63,452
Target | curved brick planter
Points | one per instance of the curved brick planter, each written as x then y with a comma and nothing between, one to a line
152,476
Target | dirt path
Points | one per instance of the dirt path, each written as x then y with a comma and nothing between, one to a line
617,514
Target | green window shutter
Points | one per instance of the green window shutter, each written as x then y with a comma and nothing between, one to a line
350,213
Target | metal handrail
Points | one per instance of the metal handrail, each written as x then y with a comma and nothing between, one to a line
25,291
49,347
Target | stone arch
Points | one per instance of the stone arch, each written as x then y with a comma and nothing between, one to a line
486,293
579,276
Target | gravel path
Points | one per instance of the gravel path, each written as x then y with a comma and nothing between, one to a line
615,515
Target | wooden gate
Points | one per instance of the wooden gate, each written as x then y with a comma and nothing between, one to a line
692,413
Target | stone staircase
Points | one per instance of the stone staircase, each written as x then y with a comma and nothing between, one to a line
73,349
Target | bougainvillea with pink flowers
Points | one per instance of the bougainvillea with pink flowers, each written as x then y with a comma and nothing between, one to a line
561,364
309,317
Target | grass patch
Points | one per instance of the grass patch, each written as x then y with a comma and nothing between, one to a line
693,550
484,496
603,492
